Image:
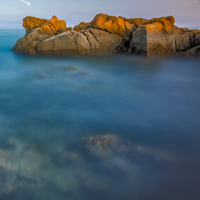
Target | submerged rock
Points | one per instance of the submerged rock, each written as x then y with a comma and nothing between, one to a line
99,143
102,145
106,35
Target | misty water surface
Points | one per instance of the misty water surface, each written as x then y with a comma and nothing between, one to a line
47,105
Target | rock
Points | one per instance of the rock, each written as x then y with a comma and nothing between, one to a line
136,21
91,42
30,23
154,37
104,145
178,38
195,51
53,38
67,43
184,29
62,30
102,42
195,31
99,143
106,35
197,39
82,26
112,24
187,30
49,27
52,26
186,38
24,42
185,42
167,22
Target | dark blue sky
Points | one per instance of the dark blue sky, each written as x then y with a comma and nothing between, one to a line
186,12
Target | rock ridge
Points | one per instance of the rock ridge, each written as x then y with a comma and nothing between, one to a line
107,35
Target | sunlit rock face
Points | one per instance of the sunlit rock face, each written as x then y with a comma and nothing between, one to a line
106,35
82,26
46,26
117,25
30,23
154,37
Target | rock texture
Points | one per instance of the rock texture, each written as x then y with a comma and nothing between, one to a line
154,37
106,35
186,38
89,42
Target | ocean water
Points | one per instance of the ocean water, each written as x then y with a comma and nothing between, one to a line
48,104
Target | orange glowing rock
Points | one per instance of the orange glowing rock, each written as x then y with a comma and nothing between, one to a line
30,23
82,26
112,24
49,27
167,22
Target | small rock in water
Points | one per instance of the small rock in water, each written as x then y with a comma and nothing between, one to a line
106,144
99,143
71,68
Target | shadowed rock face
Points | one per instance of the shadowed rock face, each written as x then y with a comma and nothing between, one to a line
186,39
106,35
72,42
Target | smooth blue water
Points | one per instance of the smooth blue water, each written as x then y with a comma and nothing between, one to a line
48,104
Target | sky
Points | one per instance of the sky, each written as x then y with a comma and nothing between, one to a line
12,12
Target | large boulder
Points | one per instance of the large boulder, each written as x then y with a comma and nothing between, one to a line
112,24
154,37
90,42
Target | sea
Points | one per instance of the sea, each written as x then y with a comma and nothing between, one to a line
50,105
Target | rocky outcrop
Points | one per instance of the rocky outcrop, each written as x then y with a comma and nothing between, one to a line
53,38
154,37
106,35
